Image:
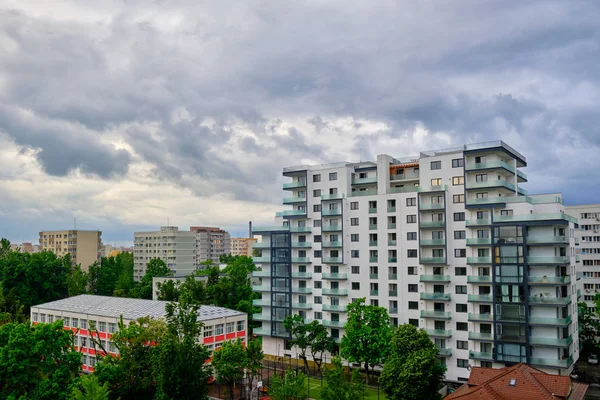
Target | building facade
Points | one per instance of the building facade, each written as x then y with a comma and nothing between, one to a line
448,240
211,243
83,246
176,248
242,246
587,242
78,313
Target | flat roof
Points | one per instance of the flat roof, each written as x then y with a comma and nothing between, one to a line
131,309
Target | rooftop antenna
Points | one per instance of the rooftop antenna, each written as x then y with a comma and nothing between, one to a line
74,223
360,157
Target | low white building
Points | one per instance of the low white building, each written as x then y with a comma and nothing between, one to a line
220,324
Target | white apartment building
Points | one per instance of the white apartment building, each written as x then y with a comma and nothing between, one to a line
176,248
448,240
77,313
587,242
211,243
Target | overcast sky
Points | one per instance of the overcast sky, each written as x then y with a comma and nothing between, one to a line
126,113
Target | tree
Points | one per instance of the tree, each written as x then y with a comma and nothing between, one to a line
589,325
367,335
229,363
320,342
300,336
90,389
336,387
254,356
156,267
412,371
5,248
37,361
168,290
291,386
113,276
77,281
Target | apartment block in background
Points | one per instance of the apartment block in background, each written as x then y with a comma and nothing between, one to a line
242,246
83,246
211,243
176,248
448,240
587,244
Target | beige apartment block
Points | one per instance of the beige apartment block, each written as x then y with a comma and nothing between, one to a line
83,246
211,243
242,246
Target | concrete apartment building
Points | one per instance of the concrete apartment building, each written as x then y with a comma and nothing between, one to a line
83,246
176,248
77,313
211,243
448,240
242,246
587,242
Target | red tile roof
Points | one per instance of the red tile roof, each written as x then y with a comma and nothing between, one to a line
530,384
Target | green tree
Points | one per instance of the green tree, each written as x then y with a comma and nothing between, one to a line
367,335
589,325
254,356
156,267
168,290
229,363
5,248
113,276
337,387
292,386
413,370
180,368
89,388
320,342
37,361
77,281
300,336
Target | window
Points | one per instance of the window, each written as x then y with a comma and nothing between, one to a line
317,253
83,324
506,212
219,329
75,340
411,219
354,253
436,165
332,190
35,317
318,299
462,326
317,238
355,269
208,331
479,159
317,223
102,326
411,201
458,180
230,327
83,341
412,270
482,195
458,198
317,193
460,235
318,284
318,269
458,162
460,253
412,288
354,237
317,178
354,205
414,322
50,318
481,178
354,221
318,315
436,182
333,176
459,216
241,325
92,361
460,271
43,318
461,289
413,305
438,253
411,253
355,285
316,207
461,308
411,235
112,327
462,345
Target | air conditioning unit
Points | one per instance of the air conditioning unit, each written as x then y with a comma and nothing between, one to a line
595,230
588,291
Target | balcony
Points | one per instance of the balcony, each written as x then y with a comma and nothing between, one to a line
372,242
480,298
374,292
261,332
479,260
266,229
491,183
391,225
335,292
436,296
549,280
436,314
490,200
302,244
261,303
261,245
403,189
392,242
551,301
393,276
302,306
481,317
477,355
332,228
294,200
335,196
431,224
551,342
432,242
333,324
372,227
478,222
372,210
261,317
432,260
393,293
535,217
336,308
302,290
479,279
547,239
291,213
480,336
294,185
301,260
302,275
439,333
489,165
548,260
329,213
552,362
434,188
331,244
404,177
431,206
445,352
332,260
392,259
263,259
364,181
261,274
543,321
479,242
300,229
393,310
391,209
263,288
334,276
358,193
434,278
372,259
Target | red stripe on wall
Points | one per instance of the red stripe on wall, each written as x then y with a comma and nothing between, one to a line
209,339
241,333
219,338
231,336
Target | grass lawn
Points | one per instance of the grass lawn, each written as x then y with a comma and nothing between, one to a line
315,390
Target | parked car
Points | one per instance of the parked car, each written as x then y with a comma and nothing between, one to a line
593,359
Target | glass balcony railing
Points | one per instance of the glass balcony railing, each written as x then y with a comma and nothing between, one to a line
261,317
432,242
290,213
404,177
549,280
333,324
539,239
490,184
553,342
477,355
445,352
403,189
261,288
328,213
294,185
331,307
372,226
433,188
373,276
261,332
372,259
479,279
264,229
391,225
302,290
302,275
489,165
393,293
374,292
535,217
302,244
335,292
392,259
392,243
301,260
436,296
364,181
292,200
430,206
332,260
300,229
481,317
332,228
372,242
332,244
393,276
334,196
550,321
479,260
480,336
480,298
261,274
479,222
372,210
434,278
436,314
262,259
261,245
548,260
334,276
302,306
431,224
393,310
391,209
479,242
552,362
432,260
358,193
559,301
261,303
439,333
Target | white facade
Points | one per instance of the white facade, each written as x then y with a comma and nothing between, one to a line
78,312
462,261
176,248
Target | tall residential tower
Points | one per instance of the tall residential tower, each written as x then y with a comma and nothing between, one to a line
83,246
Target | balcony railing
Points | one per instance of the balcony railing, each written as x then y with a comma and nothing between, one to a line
433,188
431,224
391,225
480,298
335,292
261,245
439,333
535,217
480,336
445,352
302,244
372,226
300,229
393,310
372,242
301,260
436,314
261,303
392,259
436,296
335,196
553,342
332,244
332,260
478,222
292,200
551,362
261,274
391,209
294,185
550,321
290,213
261,317
432,242
432,260
479,260
372,210
479,279
535,239
358,193
559,301
481,317
392,242
549,280
261,288
276,228
261,332
393,293
374,292
404,177
334,276
489,165
548,260
479,242
477,355
431,206
363,181
373,276
302,306
434,278
331,307
372,259
403,189
490,184
331,228
302,275
328,213
333,324
393,276
263,259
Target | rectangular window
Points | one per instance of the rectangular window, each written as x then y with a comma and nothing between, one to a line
411,253
413,305
355,269
83,323
412,270
414,322
354,205
318,315
355,253
317,178
219,329
316,207
411,201
436,182
459,216
411,219
208,331
112,327
411,235
462,345
458,180
481,178
460,235
462,326
458,198
457,163
461,289
317,193
102,326
318,269
34,317
318,300
317,253
461,308
460,271
317,223
506,212
317,238
353,221
436,165
241,325
354,237
460,253
462,363
230,327
355,285
333,176
412,288
318,284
